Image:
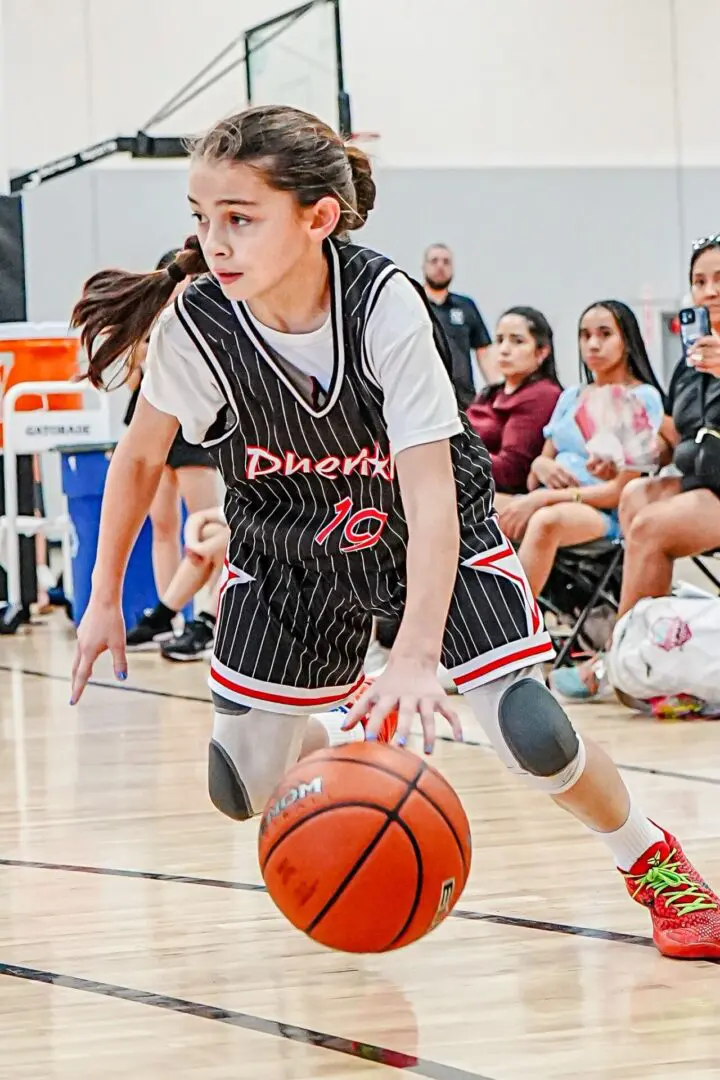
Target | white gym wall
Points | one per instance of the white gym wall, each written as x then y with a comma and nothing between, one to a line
460,83
567,149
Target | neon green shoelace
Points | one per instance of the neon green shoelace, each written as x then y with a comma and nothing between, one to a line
688,896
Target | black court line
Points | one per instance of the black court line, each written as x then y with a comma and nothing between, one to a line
364,1051
123,687
245,886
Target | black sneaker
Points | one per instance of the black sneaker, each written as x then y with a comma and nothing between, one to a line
195,642
149,633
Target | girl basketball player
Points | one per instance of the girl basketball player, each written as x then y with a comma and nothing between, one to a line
312,372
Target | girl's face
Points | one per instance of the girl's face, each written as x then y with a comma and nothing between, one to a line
705,283
518,355
602,346
252,235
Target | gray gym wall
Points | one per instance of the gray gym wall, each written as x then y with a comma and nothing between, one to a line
554,238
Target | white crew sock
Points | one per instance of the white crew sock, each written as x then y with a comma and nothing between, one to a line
632,839
333,721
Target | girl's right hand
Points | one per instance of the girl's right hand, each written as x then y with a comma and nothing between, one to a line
102,628
550,474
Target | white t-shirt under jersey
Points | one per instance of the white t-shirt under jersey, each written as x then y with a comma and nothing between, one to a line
419,401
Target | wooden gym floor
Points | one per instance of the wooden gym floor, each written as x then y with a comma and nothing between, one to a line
136,940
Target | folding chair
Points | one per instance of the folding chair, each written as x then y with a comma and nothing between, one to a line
582,578
698,560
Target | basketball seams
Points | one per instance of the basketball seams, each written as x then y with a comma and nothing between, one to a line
391,815
419,886
449,824
333,756
372,851
317,812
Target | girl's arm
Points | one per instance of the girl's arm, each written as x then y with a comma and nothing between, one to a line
132,481
409,682
427,486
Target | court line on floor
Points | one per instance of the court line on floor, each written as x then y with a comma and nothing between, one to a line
394,1059
647,770
246,886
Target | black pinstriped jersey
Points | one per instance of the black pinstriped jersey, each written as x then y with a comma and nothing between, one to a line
309,474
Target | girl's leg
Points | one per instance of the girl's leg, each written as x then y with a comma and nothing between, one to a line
165,518
535,739
250,752
198,487
660,533
553,527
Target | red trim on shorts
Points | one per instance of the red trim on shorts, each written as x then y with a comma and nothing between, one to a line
281,699
491,560
503,661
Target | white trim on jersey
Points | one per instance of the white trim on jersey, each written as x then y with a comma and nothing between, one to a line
377,284
216,368
523,653
336,313
274,697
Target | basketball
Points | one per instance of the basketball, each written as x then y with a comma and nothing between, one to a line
364,847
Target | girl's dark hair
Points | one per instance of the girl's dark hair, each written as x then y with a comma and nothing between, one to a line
541,333
635,348
293,151
707,243
169,257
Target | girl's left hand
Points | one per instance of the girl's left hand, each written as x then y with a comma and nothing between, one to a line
516,515
705,355
410,687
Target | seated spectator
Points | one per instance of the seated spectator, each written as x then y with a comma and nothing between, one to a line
668,517
568,503
509,416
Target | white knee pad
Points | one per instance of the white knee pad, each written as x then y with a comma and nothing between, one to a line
250,751
530,731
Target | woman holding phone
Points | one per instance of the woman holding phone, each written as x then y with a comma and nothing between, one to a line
665,518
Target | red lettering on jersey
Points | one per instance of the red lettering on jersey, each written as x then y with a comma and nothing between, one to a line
383,464
254,466
359,462
328,466
354,539
295,464
262,462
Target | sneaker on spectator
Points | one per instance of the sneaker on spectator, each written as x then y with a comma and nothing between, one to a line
195,642
149,633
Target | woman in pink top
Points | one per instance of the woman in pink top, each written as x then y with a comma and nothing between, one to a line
510,416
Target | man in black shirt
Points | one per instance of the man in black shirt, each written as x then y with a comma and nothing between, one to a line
462,322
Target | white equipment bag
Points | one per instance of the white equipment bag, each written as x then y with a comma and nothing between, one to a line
668,646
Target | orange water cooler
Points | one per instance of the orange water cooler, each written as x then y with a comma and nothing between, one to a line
38,352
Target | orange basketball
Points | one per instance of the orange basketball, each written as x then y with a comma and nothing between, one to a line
364,847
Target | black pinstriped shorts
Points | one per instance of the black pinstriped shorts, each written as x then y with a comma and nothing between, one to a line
292,639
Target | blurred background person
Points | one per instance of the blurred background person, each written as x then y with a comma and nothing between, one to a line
510,415
569,503
463,324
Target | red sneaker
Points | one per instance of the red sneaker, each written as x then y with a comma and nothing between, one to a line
684,909
389,724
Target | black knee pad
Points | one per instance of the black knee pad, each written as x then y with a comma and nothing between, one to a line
226,707
226,789
536,729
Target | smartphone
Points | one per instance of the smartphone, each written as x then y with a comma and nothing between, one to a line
694,324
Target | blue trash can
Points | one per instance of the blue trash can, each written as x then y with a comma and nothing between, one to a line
84,470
